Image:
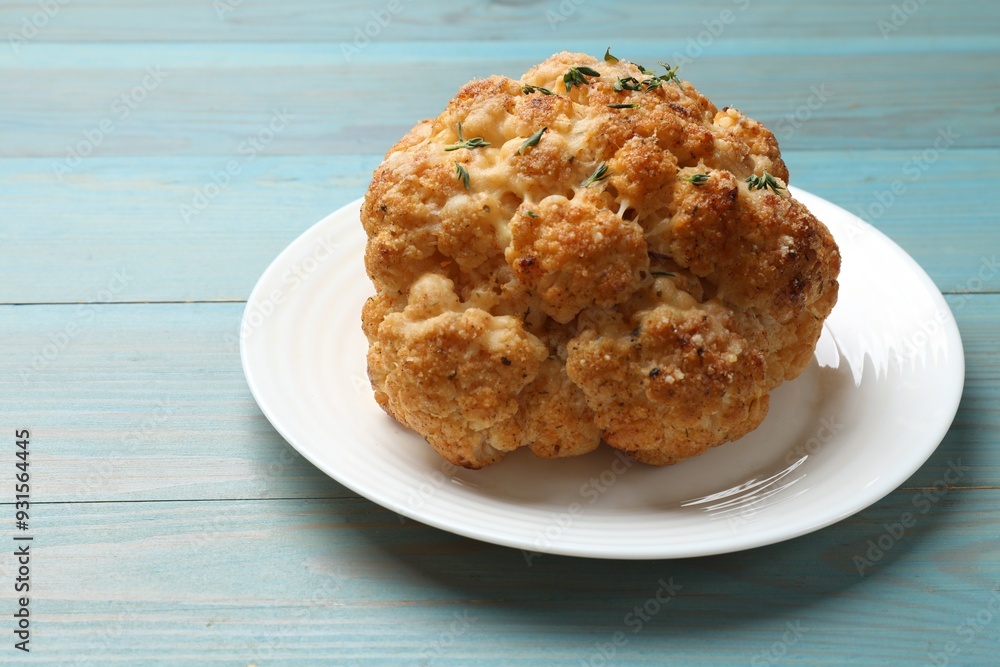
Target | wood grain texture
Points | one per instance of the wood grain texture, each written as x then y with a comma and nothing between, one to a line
149,402
345,582
126,215
143,401
207,99
173,525
490,20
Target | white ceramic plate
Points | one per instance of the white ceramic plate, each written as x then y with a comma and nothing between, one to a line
874,404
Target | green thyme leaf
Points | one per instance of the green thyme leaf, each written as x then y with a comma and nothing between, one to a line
671,75
656,81
628,83
463,174
663,273
531,141
475,142
527,89
531,214
764,182
622,106
608,58
599,175
696,179
576,76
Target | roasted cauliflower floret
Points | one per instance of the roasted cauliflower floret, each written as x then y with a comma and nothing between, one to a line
641,375
453,372
574,254
593,252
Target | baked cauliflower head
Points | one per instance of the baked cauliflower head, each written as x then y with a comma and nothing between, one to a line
592,252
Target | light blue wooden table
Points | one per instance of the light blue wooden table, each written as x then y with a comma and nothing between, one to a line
172,525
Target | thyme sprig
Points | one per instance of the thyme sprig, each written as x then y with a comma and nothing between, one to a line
671,75
531,141
577,76
655,82
527,89
627,83
652,83
474,142
462,173
599,175
764,182
696,179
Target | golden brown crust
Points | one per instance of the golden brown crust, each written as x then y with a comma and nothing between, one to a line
669,383
454,373
618,278
574,254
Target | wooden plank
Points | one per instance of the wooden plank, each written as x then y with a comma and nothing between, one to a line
127,213
929,203
148,402
209,99
344,582
315,20
143,401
